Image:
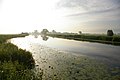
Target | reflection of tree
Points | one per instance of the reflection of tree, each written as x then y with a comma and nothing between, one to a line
44,37
36,36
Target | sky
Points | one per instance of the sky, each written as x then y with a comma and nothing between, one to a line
88,16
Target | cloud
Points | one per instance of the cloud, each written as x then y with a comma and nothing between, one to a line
94,15
91,10
112,10
0,2
88,5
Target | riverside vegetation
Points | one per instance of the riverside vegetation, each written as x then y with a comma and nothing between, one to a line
114,40
15,63
18,64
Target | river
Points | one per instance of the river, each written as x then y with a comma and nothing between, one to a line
47,51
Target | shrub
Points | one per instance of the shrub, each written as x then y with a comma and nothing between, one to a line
10,52
15,63
110,33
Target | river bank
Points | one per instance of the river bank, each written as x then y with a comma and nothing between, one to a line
113,40
15,63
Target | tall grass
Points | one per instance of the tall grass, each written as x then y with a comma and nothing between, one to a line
9,52
15,63
115,40
3,37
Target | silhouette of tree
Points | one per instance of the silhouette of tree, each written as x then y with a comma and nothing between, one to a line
110,33
80,32
44,31
53,31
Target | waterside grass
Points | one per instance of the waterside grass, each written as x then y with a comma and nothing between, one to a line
15,63
101,38
4,37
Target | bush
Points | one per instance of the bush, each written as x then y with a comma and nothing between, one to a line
15,63
9,52
110,33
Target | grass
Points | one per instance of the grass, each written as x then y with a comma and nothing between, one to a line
114,40
16,63
4,37
9,52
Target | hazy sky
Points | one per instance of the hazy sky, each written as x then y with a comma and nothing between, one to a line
95,16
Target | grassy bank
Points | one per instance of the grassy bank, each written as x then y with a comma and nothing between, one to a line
4,37
114,40
15,63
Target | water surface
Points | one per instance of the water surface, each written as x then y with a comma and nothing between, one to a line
62,59
100,51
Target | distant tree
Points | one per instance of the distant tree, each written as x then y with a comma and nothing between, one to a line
80,32
53,31
110,33
44,31
25,33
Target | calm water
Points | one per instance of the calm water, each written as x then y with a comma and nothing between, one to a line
104,52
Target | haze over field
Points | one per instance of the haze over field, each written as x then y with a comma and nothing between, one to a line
61,15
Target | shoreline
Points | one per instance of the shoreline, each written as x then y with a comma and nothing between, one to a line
112,40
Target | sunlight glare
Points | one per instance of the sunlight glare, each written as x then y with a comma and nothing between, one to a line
49,16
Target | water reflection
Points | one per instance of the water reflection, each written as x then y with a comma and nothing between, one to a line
100,51
59,64
44,37
36,36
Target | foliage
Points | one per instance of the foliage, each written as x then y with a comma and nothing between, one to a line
115,40
44,31
110,33
80,32
9,52
15,63
3,38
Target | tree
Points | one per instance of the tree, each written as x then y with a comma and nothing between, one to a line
110,33
44,31
53,31
80,32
